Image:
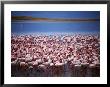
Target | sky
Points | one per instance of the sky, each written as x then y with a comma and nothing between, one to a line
45,26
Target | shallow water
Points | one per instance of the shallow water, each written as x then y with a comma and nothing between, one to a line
63,71
43,27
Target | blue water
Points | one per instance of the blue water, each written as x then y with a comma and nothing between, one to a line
46,27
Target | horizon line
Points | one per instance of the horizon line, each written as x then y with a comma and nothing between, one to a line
29,18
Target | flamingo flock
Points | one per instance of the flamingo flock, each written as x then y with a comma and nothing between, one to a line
52,53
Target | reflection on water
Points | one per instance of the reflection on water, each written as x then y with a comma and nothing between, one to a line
57,71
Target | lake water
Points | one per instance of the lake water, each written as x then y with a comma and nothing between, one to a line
59,27
65,71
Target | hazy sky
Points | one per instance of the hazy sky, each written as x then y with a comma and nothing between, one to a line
58,14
